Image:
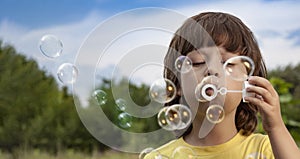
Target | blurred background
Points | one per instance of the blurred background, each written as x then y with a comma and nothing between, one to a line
38,117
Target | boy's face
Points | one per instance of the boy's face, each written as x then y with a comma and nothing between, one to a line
208,69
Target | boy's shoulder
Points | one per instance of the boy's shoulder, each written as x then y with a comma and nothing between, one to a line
258,139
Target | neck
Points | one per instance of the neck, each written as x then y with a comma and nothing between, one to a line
221,133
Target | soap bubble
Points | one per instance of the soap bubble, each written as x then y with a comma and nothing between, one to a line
121,104
100,96
173,117
215,113
162,90
239,67
67,73
179,116
50,46
125,120
162,121
183,64
145,152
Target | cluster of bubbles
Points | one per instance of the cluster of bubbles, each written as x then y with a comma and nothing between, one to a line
52,47
174,117
124,118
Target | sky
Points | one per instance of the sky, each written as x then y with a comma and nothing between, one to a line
275,24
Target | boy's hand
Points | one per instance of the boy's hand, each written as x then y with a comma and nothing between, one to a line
267,100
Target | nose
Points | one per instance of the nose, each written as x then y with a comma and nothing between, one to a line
212,72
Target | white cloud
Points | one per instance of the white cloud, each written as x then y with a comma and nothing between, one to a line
26,40
271,22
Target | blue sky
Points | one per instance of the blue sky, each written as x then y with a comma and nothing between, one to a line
19,18
37,13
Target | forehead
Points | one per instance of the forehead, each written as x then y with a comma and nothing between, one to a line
210,52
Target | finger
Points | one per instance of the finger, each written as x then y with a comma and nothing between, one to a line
260,93
258,102
262,82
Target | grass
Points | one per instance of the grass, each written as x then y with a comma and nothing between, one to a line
69,154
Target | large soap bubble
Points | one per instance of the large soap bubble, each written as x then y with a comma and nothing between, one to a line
239,67
162,90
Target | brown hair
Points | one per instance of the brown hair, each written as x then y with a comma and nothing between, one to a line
229,32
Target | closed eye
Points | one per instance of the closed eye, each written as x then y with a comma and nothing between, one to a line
195,64
230,64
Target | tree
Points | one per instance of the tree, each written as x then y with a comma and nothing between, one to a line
34,111
286,82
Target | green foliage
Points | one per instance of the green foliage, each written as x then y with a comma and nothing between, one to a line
138,95
286,82
34,111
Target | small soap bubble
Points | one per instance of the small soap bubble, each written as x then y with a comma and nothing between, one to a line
125,120
121,104
67,73
186,116
162,121
100,96
215,114
162,91
239,68
173,118
50,46
145,152
183,64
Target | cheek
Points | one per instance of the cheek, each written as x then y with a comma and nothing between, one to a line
232,100
233,84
